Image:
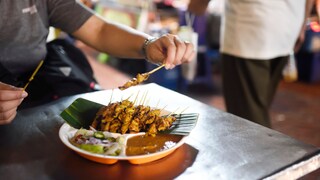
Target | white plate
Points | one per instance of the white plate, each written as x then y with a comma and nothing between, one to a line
66,132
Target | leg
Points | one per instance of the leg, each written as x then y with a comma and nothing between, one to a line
249,86
277,66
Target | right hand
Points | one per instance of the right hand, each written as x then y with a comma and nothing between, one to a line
10,98
170,50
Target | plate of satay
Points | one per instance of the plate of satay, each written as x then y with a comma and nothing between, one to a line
123,130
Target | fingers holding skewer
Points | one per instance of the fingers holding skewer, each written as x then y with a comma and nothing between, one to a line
170,50
10,98
167,50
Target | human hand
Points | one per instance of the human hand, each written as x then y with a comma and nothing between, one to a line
170,50
10,98
300,39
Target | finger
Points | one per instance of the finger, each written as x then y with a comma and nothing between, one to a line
8,105
191,57
189,54
180,51
6,118
7,95
169,45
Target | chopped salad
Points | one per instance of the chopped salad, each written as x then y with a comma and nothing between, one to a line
98,142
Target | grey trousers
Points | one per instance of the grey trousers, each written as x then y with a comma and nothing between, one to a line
249,86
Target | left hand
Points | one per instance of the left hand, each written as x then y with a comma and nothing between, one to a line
170,50
10,98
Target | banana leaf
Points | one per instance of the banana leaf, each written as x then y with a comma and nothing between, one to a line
183,125
81,113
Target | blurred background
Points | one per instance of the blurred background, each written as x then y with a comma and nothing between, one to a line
296,107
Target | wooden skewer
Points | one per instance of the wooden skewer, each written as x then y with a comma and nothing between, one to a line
158,103
129,96
154,70
33,74
148,101
163,108
183,110
144,98
141,99
172,112
135,100
111,96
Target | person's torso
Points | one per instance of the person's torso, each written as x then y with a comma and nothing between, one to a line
261,29
23,32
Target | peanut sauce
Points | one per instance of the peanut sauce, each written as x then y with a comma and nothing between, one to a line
141,145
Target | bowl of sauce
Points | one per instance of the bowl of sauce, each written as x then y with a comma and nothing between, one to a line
142,145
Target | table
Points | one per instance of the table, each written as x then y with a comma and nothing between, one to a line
221,146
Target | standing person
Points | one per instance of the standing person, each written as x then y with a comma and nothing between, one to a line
257,38
24,28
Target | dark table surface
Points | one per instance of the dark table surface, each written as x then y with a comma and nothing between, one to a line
221,146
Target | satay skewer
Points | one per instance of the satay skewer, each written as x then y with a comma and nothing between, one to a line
139,78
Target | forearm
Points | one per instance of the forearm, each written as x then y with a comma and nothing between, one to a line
198,7
301,36
114,39
317,2
122,41
308,8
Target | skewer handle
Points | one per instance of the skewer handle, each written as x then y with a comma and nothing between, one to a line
155,69
33,74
